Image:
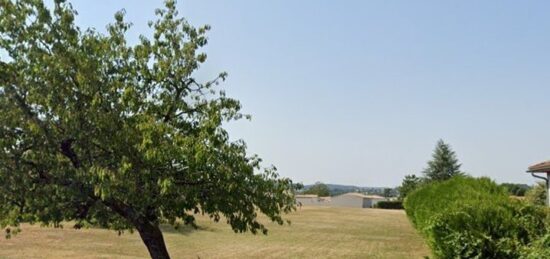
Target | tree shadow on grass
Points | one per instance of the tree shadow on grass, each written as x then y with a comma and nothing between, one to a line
184,229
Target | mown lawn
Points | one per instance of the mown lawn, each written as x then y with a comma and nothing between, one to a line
315,232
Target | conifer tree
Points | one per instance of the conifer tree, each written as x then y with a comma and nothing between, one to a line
443,165
409,184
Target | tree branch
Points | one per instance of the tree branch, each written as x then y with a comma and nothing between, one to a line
67,150
172,106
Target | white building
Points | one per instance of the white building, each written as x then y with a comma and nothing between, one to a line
312,199
356,200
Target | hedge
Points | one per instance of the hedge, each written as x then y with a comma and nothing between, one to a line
391,205
474,218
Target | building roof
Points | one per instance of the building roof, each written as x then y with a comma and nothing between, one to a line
362,195
306,196
542,167
374,197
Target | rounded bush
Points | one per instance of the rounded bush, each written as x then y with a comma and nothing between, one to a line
467,217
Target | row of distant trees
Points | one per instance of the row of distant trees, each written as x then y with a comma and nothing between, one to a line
322,190
444,165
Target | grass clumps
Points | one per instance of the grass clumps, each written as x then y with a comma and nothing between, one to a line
467,217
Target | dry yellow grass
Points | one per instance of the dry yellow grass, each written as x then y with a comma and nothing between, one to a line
315,232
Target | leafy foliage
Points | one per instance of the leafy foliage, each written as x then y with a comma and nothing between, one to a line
393,205
99,132
388,192
539,249
516,189
409,184
320,189
443,165
537,194
474,218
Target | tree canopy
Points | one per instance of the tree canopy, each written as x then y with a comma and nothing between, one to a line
409,184
102,132
443,165
319,189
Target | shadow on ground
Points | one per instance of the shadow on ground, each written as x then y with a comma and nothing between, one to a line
184,229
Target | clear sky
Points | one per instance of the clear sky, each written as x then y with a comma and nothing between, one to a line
358,92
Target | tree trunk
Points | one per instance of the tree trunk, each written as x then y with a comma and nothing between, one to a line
152,237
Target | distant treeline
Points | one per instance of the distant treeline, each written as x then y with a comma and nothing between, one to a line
516,189
323,189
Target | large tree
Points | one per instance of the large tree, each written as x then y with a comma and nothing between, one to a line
98,131
443,165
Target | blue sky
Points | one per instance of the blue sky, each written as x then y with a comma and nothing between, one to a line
358,92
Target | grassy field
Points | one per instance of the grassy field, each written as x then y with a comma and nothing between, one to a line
315,232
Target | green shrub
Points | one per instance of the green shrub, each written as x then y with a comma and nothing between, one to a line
391,205
537,194
473,218
539,249
516,189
